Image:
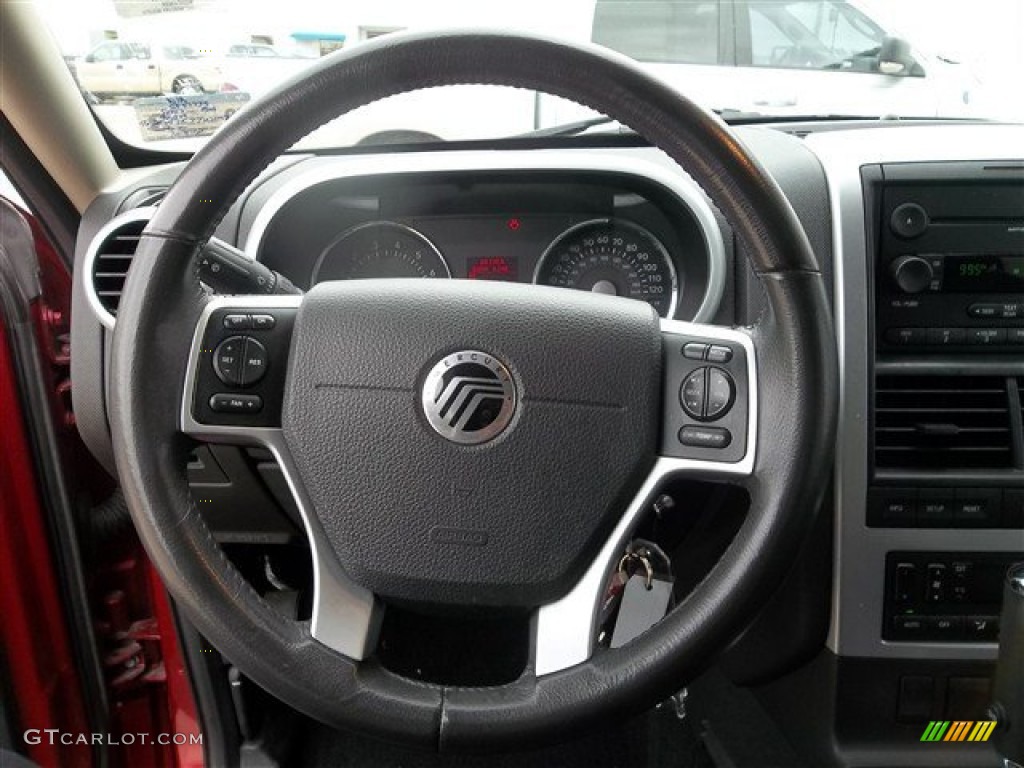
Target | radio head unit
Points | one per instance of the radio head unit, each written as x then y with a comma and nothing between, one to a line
949,266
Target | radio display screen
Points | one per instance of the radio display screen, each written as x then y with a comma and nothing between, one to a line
984,274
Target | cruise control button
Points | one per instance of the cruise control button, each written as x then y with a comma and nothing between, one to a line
705,437
227,360
228,403
720,394
263,322
691,394
254,365
719,354
237,322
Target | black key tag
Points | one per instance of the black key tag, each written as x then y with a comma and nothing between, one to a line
642,607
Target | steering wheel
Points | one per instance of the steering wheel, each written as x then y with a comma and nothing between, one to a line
468,444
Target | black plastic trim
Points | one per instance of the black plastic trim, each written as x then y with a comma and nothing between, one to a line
221,740
51,207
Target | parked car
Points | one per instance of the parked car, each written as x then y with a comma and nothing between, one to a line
122,68
781,57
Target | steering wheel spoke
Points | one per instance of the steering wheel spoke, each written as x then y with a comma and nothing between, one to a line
709,432
233,391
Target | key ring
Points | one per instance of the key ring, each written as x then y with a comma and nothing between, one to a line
648,570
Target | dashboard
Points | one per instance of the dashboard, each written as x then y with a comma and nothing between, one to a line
919,230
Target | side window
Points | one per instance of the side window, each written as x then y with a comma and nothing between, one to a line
769,45
108,52
855,35
136,51
8,191
661,31
812,34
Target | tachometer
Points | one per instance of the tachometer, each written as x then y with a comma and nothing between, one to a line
380,249
614,257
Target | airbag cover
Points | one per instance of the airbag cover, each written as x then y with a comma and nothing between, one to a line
514,520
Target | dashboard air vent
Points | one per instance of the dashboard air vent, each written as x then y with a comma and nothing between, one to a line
108,258
942,422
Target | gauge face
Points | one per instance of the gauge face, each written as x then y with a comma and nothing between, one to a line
379,249
613,257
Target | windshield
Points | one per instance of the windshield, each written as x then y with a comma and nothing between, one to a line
167,74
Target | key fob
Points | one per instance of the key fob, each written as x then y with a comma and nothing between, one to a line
641,608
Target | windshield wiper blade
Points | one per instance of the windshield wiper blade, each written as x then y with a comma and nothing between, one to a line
566,129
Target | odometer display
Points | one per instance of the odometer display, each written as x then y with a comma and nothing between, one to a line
379,249
614,257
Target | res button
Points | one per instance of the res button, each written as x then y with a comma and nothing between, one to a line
254,362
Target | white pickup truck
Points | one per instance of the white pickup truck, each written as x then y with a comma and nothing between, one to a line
123,68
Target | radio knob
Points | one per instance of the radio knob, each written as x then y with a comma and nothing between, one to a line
912,274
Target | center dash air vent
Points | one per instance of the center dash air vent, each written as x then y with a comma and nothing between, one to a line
107,261
942,422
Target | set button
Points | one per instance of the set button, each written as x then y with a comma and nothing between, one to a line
240,361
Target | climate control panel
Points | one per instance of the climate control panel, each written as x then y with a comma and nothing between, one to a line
950,597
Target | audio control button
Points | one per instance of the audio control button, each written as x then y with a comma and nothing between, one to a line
984,311
692,393
907,337
946,337
1015,335
908,221
912,274
984,337
720,394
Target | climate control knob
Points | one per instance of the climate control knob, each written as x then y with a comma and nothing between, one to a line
912,274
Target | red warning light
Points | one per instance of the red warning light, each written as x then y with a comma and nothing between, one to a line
514,224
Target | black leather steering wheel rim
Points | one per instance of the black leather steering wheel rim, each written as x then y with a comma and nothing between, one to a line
163,299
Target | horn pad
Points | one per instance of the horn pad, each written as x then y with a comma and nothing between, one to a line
470,443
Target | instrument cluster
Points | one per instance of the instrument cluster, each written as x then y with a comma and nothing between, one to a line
605,233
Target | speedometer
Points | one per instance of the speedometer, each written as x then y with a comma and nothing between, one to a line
379,249
614,257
